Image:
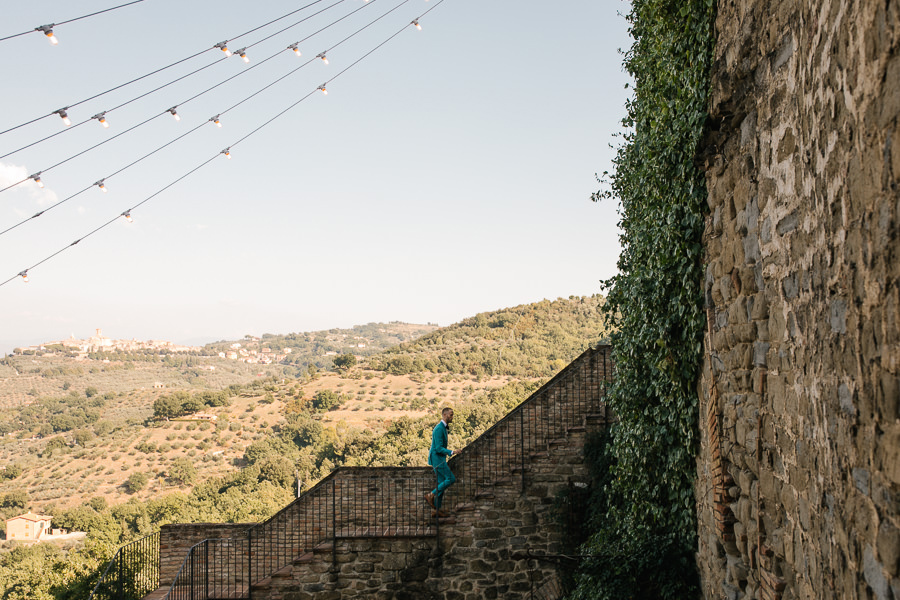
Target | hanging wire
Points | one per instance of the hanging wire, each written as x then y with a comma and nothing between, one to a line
103,179
99,12
178,62
24,272
194,97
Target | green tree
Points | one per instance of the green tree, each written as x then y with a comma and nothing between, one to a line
137,481
344,361
167,407
83,436
16,499
182,471
326,400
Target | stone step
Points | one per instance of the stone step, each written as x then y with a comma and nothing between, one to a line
305,558
484,495
157,594
537,455
577,429
324,547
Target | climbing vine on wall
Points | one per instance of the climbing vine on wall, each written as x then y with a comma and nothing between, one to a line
656,301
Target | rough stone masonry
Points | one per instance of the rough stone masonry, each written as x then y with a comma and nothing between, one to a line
798,485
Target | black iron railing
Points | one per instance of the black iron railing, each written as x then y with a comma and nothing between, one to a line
502,453
355,502
352,502
132,573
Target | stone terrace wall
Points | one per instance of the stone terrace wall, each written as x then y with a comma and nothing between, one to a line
799,474
175,540
475,557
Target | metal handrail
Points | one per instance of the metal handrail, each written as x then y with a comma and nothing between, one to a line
352,502
136,571
386,501
504,450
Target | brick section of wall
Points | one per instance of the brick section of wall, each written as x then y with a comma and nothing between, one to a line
175,540
803,288
368,531
473,559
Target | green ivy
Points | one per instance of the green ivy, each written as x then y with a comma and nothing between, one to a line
655,303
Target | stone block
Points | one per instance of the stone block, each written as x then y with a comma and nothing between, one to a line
888,545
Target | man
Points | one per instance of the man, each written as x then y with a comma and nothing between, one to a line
437,459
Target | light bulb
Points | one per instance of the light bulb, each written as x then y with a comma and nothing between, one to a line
416,23
176,116
48,31
127,215
101,117
243,54
223,46
295,48
64,116
322,87
227,152
215,120
37,180
24,275
101,185
323,57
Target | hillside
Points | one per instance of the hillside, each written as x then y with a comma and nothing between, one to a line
119,427
530,340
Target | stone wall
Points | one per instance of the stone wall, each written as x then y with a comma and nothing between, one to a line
367,532
477,554
176,540
799,473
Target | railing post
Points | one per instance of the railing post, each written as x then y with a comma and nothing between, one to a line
120,584
522,445
333,524
206,569
250,563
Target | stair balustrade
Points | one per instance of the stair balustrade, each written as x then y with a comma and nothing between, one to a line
355,502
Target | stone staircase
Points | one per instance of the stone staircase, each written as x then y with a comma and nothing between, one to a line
367,532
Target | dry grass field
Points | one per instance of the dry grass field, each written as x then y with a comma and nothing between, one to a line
139,444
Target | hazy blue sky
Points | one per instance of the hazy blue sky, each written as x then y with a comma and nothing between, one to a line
446,174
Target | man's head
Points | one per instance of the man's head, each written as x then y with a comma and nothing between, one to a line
447,415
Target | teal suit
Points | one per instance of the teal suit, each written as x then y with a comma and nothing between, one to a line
437,458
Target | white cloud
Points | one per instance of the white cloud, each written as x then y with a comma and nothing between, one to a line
11,174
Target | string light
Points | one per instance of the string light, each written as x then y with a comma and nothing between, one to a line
416,23
295,48
101,185
215,120
37,179
64,116
174,114
243,54
127,214
223,46
48,31
24,275
102,118
226,152
323,57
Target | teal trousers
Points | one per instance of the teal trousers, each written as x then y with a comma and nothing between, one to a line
445,478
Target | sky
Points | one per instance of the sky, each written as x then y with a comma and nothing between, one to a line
446,173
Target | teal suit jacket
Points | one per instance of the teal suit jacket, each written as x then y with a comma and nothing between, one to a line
439,452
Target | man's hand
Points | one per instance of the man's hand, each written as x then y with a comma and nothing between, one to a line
455,452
